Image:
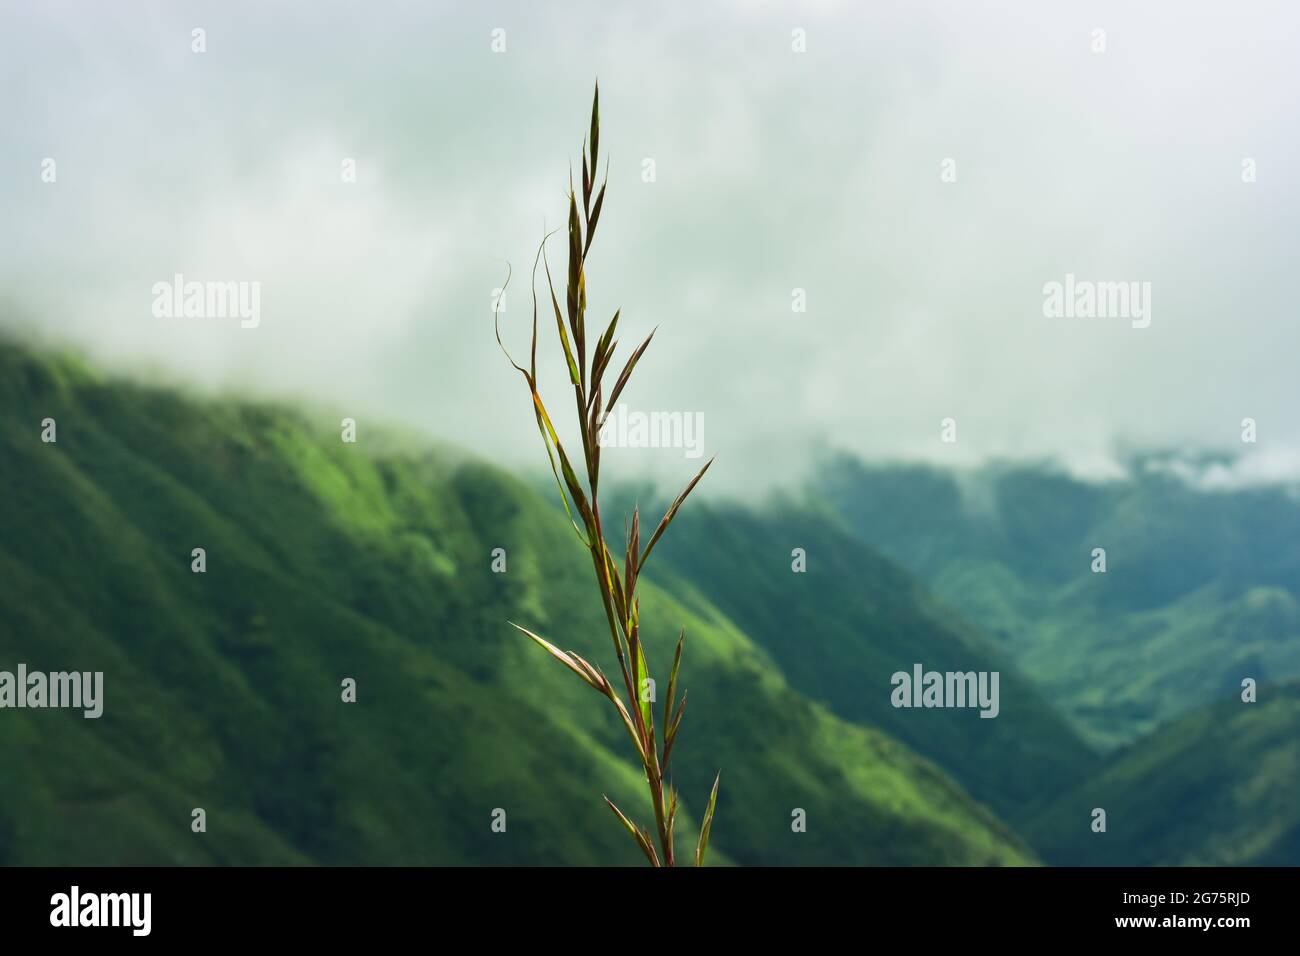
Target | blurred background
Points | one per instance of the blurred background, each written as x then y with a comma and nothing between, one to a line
774,170
841,217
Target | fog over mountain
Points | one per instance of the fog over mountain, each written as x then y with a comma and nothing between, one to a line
775,171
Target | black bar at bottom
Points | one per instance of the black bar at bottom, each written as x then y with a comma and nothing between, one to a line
338,906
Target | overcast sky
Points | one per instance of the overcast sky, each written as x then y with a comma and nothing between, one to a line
775,170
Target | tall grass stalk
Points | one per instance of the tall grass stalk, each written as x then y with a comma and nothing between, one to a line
587,368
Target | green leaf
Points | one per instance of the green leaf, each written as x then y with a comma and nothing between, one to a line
613,586
632,553
671,513
575,293
595,127
708,822
604,349
570,477
550,454
624,375
671,816
641,837
595,217
672,682
627,719
640,668
586,185
670,730
587,672
559,324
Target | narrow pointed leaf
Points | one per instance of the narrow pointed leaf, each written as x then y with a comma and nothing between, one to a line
638,834
672,813
708,822
612,584
600,358
586,186
574,377
564,658
566,468
597,374
670,514
647,705
624,375
595,126
670,730
633,552
575,272
594,218
593,675
672,679
627,722
542,421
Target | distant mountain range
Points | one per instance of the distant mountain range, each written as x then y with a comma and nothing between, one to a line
1201,588
1220,787
372,561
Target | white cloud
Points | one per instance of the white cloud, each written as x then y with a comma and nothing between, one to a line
776,170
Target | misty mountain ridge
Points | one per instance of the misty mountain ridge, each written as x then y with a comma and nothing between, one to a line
371,561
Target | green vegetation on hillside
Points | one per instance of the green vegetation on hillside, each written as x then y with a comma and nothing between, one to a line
840,628
1220,787
1201,589
326,561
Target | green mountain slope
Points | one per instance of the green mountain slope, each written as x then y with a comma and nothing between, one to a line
1201,588
1218,787
841,628
326,561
